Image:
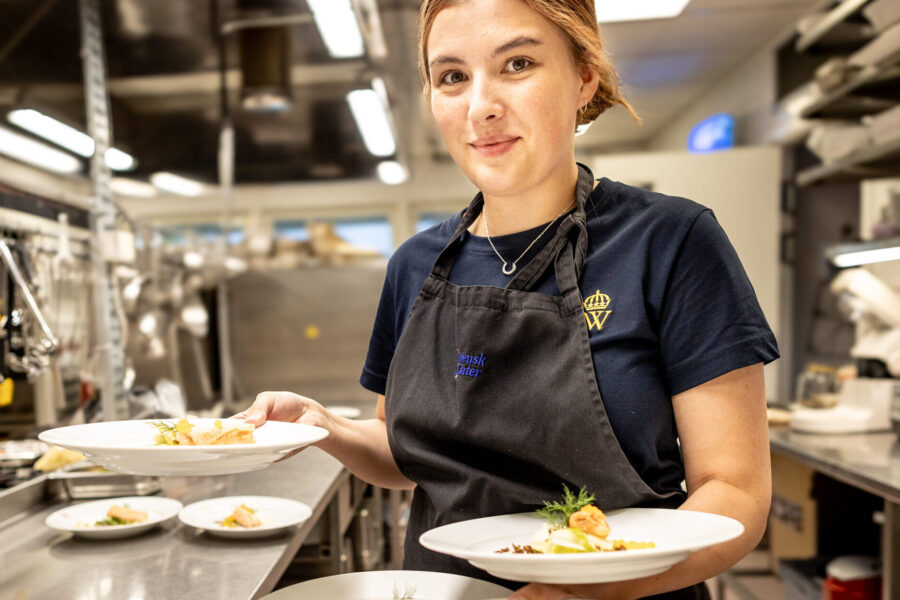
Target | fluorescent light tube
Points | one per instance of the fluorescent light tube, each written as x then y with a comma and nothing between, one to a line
866,257
609,11
338,27
372,121
131,187
53,131
37,153
175,184
66,136
118,160
391,172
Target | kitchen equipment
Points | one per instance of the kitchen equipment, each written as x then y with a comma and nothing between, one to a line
853,578
863,404
85,480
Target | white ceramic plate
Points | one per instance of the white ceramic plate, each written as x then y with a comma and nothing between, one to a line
129,447
79,519
676,534
381,585
276,514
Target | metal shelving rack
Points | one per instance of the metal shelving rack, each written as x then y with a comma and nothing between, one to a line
869,91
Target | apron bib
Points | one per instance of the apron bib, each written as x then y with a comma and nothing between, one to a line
492,403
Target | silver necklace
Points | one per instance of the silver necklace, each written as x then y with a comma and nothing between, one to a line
512,268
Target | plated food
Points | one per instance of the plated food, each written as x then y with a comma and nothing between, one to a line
217,433
114,517
121,515
573,526
244,516
133,446
673,533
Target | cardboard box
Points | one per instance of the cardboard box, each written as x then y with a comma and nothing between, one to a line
793,518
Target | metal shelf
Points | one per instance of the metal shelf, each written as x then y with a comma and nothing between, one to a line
882,160
869,92
829,21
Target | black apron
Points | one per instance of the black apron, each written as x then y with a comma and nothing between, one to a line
492,403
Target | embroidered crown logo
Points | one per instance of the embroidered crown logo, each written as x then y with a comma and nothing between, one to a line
596,301
596,310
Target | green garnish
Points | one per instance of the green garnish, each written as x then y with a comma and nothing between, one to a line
113,521
558,513
166,435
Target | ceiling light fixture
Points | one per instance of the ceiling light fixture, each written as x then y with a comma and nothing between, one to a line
37,153
131,187
615,12
176,184
391,172
338,27
68,137
372,121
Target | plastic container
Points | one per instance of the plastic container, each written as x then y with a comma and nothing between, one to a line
853,578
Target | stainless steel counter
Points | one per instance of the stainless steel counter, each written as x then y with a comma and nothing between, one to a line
171,561
868,461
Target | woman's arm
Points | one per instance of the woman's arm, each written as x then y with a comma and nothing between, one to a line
362,446
724,438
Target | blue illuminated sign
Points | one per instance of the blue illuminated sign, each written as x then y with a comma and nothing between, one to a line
712,134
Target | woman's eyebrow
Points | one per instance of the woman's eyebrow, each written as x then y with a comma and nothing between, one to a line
522,40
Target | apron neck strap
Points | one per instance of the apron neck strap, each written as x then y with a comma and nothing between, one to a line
571,232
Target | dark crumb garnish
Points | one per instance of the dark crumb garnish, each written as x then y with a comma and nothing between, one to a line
517,549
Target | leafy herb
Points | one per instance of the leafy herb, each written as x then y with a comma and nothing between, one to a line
558,513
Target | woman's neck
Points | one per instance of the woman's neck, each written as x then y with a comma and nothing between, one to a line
527,209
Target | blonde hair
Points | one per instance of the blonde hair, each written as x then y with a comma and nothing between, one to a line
578,22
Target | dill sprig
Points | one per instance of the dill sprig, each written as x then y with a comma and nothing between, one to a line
557,513
163,426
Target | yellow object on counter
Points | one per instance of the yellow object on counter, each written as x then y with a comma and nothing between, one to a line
57,457
6,392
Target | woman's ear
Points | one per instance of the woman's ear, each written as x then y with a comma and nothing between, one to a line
590,79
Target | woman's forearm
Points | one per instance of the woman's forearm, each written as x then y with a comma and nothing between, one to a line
362,446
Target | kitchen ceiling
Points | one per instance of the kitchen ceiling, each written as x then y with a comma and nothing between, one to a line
164,83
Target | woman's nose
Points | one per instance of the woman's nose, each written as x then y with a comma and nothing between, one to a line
485,103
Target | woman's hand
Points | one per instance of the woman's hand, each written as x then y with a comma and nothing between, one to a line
285,406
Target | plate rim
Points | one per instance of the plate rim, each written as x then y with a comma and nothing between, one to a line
51,436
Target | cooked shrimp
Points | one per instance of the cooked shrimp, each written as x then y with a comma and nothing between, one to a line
590,519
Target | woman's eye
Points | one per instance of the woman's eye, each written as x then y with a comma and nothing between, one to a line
452,77
518,64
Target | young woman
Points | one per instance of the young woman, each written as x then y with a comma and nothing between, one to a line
561,329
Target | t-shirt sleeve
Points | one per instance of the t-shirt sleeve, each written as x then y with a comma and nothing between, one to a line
383,340
710,320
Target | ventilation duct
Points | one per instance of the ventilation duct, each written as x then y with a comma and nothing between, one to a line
265,68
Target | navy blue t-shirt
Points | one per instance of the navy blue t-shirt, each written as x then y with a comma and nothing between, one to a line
667,303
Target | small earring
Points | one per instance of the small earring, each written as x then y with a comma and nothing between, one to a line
581,111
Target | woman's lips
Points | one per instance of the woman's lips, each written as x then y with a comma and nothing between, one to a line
490,148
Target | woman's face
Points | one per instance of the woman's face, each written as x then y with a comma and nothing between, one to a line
504,92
